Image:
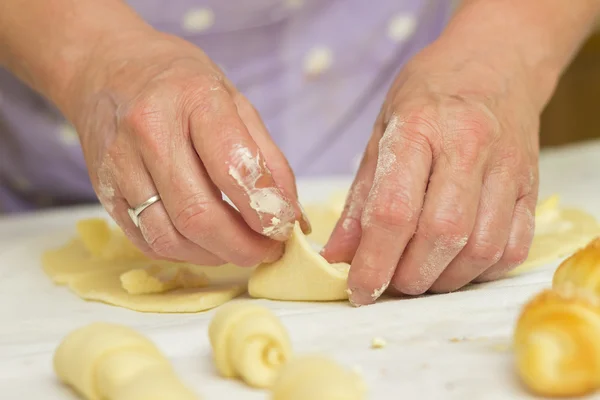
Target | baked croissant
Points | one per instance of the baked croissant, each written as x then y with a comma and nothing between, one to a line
581,270
557,343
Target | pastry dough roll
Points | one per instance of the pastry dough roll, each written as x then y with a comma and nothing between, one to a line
119,369
316,377
557,343
581,270
249,342
155,383
78,356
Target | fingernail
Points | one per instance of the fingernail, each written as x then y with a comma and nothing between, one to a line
305,223
359,297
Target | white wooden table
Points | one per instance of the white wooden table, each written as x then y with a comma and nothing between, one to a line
423,358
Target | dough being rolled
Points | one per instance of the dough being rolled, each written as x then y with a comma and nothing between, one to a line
316,377
557,343
249,342
300,275
111,362
581,270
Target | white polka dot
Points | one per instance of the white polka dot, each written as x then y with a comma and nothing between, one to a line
318,60
401,27
68,135
294,4
198,20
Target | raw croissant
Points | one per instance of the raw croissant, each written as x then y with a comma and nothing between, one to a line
104,361
319,378
581,270
557,343
249,342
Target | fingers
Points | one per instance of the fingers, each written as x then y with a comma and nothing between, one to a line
237,166
345,238
276,162
489,237
447,218
193,204
519,240
114,202
156,235
391,210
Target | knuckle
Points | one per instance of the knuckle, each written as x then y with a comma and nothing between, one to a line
192,218
142,115
450,227
206,100
484,249
163,244
471,137
423,122
516,255
391,211
511,158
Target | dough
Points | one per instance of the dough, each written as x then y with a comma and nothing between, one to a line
324,216
249,342
315,377
559,232
106,243
113,271
105,286
557,343
111,362
300,275
95,235
581,270
162,278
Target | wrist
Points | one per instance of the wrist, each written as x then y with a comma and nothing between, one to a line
529,42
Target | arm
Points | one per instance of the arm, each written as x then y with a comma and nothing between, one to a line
542,37
47,42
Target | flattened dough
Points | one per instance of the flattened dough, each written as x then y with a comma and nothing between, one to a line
249,342
92,265
316,377
559,232
300,275
106,287
112,362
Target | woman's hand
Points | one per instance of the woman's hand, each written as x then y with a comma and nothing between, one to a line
446,191
157,116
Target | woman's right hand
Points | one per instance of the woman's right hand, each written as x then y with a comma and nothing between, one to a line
156,116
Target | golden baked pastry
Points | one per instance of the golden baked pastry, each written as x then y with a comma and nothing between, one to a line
581,270
557,343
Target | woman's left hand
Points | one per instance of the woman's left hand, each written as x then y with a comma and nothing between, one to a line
446,191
